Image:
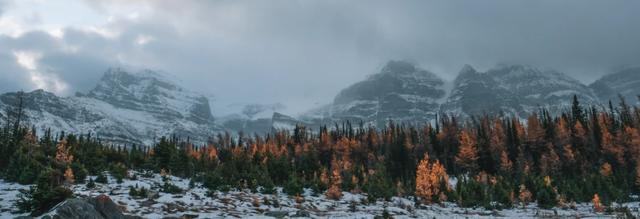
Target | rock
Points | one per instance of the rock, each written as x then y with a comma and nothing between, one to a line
302,213
100,207
276,214
77,208
106,207
148,203
185,216
190,216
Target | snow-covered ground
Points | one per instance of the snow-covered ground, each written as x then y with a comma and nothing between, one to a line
193,202
8,197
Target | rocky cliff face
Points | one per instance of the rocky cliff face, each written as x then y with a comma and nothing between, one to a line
514,90
123,108
140,107
405,93
400,91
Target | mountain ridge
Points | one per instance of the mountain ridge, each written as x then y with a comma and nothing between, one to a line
139,107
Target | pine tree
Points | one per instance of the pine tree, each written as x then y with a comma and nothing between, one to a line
576,111
91,184
378,184
497,147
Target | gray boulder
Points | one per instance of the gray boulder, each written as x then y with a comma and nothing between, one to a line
100,207
107,208
77,208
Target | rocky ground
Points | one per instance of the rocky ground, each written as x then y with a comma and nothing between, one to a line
112,200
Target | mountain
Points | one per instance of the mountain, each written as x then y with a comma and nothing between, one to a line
124,107
514,90
400,91
625,82
140,107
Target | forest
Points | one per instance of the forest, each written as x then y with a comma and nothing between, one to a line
584,154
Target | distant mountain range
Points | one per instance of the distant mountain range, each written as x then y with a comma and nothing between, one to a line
123,108
140,107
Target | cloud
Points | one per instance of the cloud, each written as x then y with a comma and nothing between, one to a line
29,60
301,53
3,5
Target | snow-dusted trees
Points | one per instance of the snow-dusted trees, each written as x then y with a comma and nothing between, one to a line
497,162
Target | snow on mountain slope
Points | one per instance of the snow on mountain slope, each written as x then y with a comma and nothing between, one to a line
123,108
514,90
401,91
625,82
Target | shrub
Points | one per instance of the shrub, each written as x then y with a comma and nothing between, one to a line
44,195
171,188
91,184
137,193
293,187
79,171
102,178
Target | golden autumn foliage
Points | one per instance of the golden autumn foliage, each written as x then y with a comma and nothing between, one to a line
547,181
549,161
335,192
62,153
597,204
606,170
524,195
609,144
468,154
430,176
69,178
506,165
497,141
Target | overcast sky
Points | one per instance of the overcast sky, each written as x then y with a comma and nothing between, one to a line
301,53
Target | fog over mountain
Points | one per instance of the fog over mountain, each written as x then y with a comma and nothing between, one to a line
300,54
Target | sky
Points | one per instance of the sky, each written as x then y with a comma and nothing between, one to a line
301,53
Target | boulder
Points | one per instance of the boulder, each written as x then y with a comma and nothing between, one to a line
276,214
302,213
77,208
100,207
106,207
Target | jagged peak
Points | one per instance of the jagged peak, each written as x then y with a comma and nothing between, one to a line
120,78
399,67
120,73
33,93
467,70
517,71
405,69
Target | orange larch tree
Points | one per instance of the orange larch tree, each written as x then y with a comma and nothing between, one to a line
468,154
430,177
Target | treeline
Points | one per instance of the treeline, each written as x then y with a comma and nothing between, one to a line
586,154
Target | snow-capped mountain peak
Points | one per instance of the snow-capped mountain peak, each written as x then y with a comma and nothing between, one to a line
124,107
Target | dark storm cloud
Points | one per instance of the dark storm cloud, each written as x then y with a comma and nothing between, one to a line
303,52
